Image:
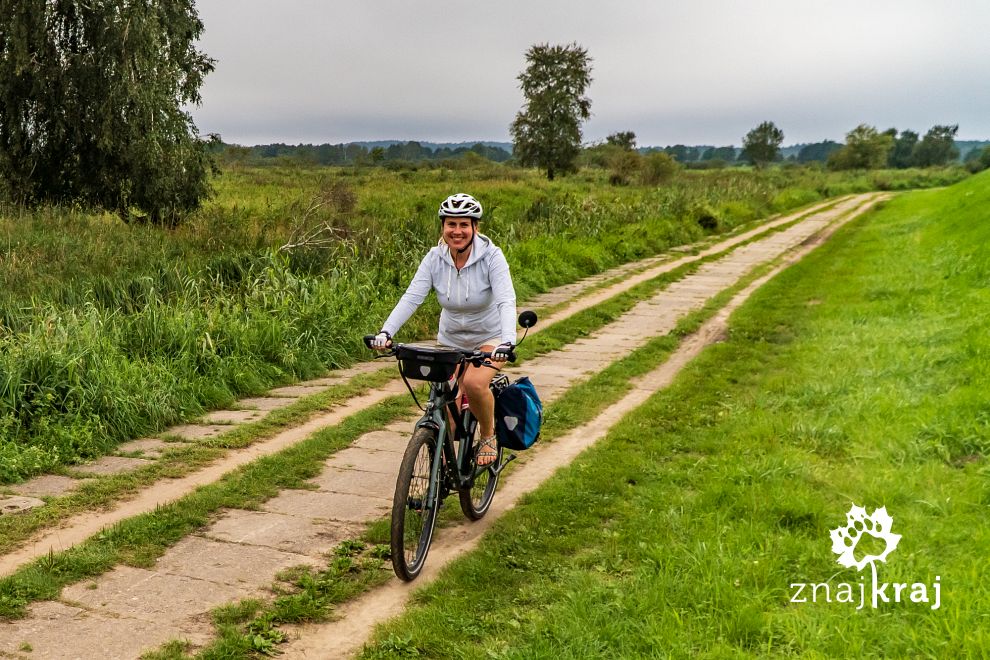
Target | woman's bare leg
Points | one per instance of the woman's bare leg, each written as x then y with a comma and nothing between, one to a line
475,383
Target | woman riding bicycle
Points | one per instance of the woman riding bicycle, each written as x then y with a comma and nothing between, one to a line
472,281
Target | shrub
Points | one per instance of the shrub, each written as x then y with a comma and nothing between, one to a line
658,168
622,165
978,162
707,217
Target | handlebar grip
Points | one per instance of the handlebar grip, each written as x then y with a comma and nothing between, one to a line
511,358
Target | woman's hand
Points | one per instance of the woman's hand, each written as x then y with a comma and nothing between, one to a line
382,341
502,352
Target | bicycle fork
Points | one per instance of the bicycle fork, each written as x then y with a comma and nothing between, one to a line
433,420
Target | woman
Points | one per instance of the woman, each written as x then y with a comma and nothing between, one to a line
472,281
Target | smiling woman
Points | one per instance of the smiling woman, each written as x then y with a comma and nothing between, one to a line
472,281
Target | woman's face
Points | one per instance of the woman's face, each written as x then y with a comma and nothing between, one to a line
458,232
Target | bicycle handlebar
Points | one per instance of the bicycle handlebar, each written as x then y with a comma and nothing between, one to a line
470,356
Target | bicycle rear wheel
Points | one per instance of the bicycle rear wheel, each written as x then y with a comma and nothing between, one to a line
477,498
413,517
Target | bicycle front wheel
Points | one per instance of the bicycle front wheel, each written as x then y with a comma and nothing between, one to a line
477,497
413,516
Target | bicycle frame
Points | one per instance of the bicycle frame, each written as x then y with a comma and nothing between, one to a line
440,402
441,406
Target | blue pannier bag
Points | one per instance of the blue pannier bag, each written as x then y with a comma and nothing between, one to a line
518,415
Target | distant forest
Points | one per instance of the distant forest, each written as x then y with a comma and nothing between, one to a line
368,153
398,152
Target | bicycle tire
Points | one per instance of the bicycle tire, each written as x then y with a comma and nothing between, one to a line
477,497
413,520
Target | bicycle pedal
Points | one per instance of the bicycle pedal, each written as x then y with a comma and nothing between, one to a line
414,504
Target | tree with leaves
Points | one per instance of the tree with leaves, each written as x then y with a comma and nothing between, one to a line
866,148
623,140
902,154
683,153
91,105
938,147
817,151
547,132
978,159
762,144
727,154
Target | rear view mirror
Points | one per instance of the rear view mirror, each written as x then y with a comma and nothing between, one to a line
527,319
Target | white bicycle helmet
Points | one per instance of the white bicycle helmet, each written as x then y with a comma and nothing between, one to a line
460,205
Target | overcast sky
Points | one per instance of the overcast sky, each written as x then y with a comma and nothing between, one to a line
673,71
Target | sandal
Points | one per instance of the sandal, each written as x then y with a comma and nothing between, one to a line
487,451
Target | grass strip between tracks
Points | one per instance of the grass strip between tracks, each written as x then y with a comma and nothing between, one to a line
250,627
595,318
184,459
856,376
813,209
44,578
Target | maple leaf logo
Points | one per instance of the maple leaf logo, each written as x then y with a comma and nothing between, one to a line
845,539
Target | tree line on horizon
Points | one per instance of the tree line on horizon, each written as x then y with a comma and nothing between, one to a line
907,150
867,149
354,153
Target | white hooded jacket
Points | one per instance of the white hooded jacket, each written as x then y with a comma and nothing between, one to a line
478,301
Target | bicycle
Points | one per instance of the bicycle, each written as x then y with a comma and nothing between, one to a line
439,459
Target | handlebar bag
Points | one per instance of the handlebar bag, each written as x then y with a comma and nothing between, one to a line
518,415
428,363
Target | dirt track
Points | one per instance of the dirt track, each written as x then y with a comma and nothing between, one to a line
131,609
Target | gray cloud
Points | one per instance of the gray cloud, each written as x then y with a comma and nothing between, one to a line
695,72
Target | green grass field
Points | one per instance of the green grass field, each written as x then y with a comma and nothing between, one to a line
111,331
857,376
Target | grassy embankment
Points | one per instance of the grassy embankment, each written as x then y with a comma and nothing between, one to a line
113,331
858,375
